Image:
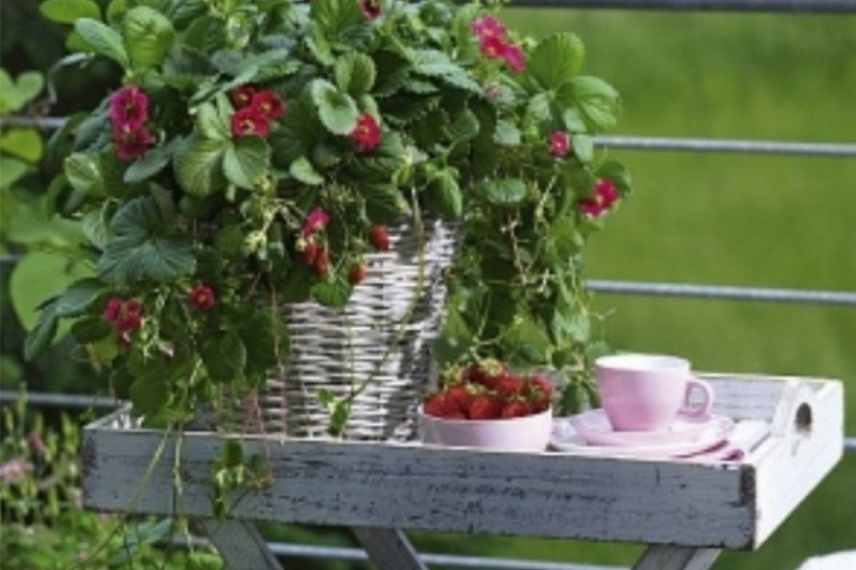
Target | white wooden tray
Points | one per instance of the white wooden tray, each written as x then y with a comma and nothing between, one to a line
684,503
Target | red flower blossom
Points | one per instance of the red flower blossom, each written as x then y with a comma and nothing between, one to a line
316,221
268,104
488,26
130,145
129,109
242,96
605,195
493,47
514,58
112,309
366,135
249,121
560,144
370,8
201,298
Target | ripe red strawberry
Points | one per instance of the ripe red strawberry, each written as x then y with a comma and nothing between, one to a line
484,408
310,253
460,396
487,373
516,409
540,393
380,238
441,406
322,263
542,383
509,386
357,274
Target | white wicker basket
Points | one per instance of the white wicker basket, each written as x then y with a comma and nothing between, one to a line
335,350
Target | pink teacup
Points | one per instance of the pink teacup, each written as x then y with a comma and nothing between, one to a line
645,392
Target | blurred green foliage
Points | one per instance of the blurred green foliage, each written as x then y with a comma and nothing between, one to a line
735,219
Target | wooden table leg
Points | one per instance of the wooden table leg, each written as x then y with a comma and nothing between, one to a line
389,549
241,545
664,557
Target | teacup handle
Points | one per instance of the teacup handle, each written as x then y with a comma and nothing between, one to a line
704,408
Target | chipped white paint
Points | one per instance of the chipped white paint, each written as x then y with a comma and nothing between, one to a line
409,486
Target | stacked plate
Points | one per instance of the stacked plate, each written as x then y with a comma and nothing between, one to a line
592,434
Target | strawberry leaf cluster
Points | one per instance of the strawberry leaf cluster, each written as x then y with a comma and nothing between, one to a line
257,151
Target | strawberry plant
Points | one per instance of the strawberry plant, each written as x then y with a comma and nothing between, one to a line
255,152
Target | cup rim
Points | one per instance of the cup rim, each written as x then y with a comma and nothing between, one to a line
642,362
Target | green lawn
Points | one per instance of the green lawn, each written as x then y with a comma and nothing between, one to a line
729,219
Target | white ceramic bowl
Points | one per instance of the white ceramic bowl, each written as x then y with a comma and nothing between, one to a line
529,433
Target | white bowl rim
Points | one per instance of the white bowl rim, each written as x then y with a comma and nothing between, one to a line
448,421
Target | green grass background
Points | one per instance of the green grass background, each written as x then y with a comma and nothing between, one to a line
728,219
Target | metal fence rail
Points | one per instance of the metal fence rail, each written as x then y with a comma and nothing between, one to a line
772,6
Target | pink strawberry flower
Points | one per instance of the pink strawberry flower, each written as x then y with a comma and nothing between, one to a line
242,96
129,109
493,47
606,192
370,8
132,144
268,104
366,135
487,27
591,207
560,144
514,57
202,298
316,221
249,121
112,309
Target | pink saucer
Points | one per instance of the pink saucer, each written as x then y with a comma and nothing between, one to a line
594,427
566,438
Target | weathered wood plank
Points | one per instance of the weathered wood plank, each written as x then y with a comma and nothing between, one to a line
389,549
240,545
410,486
677,558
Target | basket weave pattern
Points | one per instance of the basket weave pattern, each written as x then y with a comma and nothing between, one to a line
336,350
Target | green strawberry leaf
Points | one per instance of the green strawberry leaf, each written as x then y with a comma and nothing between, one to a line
446,194
68,11
355,73
246,161
148,36
303,171
198,165
556,60
151,163
102,39
11,170
504,191
333,294
15,94
23,143
337,111
598,102
385,203
142,248
225,357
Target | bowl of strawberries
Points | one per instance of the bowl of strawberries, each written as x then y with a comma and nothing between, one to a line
487,405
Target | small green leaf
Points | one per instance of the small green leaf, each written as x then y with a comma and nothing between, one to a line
225,357
446,195
337,111
11,170
94,174
102,39
465,127
233,453
505,191
149,394
598,102
556,60
212,123
303,171
506,134
198,165
148,36
15,94
333,294
96,227
385,203
23,143
265,338
91,330
246,161
583,146
68,11
143,247
150,164
355,73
